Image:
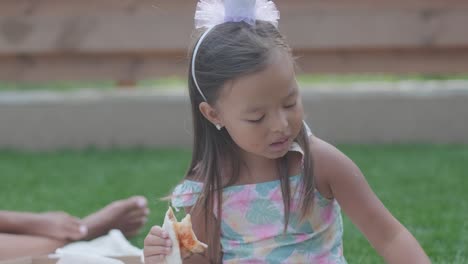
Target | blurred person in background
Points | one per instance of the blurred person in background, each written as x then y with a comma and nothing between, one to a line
33,234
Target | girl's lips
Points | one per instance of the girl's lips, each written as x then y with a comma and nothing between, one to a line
281,140
280,144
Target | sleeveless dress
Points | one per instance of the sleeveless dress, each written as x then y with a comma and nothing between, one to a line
252,223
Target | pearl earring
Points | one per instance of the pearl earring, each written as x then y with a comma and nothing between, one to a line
218,126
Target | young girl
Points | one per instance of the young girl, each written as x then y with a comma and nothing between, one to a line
261,188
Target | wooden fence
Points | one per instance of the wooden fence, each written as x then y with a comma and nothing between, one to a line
128,40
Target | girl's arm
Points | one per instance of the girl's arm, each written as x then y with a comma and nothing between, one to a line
340,178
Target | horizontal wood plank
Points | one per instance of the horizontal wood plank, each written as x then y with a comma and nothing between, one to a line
134,39
150,30
73,7
131,67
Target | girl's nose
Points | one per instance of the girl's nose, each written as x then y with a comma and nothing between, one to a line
280,122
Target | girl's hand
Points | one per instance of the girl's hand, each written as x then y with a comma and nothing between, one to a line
156,246
58,225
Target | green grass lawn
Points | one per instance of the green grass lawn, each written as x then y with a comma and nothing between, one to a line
424,186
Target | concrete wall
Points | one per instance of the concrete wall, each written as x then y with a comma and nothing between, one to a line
435,112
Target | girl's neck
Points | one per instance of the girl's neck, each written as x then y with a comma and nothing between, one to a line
257,169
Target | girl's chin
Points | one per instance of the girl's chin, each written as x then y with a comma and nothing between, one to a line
276,155
268,154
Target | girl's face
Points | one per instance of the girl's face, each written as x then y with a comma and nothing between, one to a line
263,112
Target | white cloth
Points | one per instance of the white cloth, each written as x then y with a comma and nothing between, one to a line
74,258
114,244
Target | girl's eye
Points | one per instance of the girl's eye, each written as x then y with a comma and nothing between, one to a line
256,120
290,105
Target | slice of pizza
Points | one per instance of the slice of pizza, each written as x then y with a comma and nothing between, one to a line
184,241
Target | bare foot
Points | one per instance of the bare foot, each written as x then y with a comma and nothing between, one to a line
128,215
56,225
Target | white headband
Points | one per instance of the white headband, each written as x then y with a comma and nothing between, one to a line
210,13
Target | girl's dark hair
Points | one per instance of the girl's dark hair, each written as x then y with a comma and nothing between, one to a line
229,51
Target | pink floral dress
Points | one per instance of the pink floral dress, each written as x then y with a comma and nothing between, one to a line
252,224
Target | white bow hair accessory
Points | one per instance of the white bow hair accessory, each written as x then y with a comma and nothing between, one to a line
210,13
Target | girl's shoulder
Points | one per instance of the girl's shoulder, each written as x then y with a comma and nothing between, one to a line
329,163
186,193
